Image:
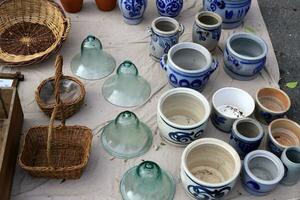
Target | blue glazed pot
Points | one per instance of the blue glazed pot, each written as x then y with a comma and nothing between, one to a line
262,171
232,11
188,65
244,56
132,10
169,8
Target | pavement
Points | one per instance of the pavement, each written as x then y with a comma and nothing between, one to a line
282,18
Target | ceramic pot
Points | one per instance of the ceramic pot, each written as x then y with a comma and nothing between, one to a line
106,5
182,115
291,160
188,65
246,136
244,56
209,169
261,173
282,133
72,6
229,104
207,29
169,8
165,32
271,104
232,12
132,10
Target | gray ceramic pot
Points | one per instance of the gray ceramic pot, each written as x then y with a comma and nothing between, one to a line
291,160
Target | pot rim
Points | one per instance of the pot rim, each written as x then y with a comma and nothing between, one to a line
190,92
290,162
252,121
252,37
194,46
166,19
210,14
213,141
271,157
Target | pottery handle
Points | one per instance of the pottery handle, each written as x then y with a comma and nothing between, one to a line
181,29
149,30
214,65
163,62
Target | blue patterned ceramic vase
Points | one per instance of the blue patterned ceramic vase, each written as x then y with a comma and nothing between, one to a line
165,33
244,56
132,10
169,8
232,11
207,29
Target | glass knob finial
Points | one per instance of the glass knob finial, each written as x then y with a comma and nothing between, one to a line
91,42
127,68
126,118
149,170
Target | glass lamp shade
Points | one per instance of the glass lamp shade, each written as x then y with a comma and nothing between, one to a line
126,88
92,63
147,181
126,137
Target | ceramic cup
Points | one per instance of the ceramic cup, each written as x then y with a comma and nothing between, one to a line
271,104
282,133
291,160
246,136
244,56
261,173
207,29
165,33
209,169
182,115
229,104
188,65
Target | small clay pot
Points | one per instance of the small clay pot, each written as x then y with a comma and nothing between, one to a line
72,6
106,5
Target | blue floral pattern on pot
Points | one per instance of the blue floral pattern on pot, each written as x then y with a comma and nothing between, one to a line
204,34
169,8
133,10
162,44
185,137
274,149
241,146
200,192
218,120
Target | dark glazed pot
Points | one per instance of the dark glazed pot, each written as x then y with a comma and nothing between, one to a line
72,6
106,5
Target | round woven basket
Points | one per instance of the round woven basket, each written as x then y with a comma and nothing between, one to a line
30,31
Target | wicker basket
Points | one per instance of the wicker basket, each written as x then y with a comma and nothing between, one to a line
56,151
70,107
30,31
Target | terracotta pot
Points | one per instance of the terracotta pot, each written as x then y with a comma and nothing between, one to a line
72,6
106,5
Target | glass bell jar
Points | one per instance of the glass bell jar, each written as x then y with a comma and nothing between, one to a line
147,181
92,62
126,137
126,88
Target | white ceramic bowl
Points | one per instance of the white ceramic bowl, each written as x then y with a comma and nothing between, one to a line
209,168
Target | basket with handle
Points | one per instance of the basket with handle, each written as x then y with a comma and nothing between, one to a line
56,151
71,106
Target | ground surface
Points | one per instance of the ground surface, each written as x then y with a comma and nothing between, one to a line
283,22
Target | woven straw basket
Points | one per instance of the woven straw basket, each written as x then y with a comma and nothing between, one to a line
30,31
56,151
70,107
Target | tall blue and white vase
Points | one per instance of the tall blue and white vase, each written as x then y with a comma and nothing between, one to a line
169,8
132,10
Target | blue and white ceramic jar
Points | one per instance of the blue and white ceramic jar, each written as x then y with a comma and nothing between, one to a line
169,8
182,115
207,29
244,56
188,65
165,33
132,10
232,12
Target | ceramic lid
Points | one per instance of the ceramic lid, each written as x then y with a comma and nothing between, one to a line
126,88
147,181
92,63
126,137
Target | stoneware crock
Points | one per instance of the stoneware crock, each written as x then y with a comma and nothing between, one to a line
290,158
209,169
182,115
232,12
72,6
229,104
165,33
132,10
106,5
271,104
282,133
262,171
188,65
207,29
169,8
246,136
244,56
